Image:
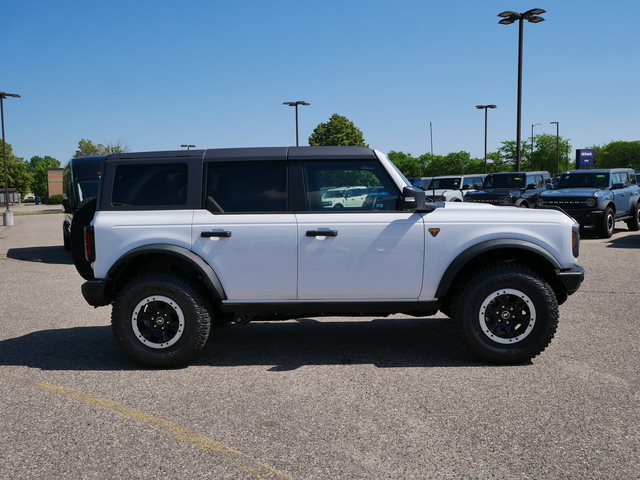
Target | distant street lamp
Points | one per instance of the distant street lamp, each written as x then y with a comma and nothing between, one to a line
7,216
557,124
485,107
532,146
508,18
188,146
295,104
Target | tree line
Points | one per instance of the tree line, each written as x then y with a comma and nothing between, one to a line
542,152
31,176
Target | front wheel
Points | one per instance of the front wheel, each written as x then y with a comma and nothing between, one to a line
605,226
506,314
161,320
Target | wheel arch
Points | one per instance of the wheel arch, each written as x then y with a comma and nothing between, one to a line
502,250
169,258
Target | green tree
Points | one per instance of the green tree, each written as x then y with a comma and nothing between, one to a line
548,155
87,148
619,154
38,167
18,173
338,130
408,165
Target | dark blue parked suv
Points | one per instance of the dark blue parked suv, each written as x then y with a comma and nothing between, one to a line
511,188
597,197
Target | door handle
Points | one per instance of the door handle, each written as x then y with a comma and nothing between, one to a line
322,233
215,234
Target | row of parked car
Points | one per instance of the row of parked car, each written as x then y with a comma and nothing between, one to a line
599,197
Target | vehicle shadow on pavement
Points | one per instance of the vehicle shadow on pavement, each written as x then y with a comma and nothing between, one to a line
53,255
282,346
79,348
628,241
384,343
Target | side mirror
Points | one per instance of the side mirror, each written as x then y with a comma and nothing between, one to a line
617,186
531,186
413,198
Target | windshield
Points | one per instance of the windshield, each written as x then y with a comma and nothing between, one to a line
445,183
584,180
504,181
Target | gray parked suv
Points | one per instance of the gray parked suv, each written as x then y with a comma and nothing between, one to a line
598,197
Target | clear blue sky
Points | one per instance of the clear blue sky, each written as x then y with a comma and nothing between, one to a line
158,74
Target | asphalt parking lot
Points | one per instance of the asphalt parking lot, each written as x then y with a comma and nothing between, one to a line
341,398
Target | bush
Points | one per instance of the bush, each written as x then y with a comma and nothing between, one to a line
55,200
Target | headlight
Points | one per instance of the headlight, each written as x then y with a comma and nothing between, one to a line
591,202
540,202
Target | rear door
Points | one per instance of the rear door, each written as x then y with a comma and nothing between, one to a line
248,235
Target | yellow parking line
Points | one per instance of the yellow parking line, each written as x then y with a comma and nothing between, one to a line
228,455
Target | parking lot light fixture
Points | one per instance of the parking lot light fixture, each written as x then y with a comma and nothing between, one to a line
7,216
557,124
295,104
187,146
508,18
532,146
485,107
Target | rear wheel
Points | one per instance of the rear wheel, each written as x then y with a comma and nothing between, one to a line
505,314
161,320
633,223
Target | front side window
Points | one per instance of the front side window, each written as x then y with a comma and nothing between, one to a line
349,186
245,187
147,184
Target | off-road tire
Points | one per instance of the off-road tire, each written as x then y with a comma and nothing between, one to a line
633,223
606,224
161,320
505,313
81,218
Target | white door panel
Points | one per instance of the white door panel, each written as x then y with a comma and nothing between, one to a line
372,256
257,261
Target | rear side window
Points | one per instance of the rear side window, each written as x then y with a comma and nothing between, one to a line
246,187
150,184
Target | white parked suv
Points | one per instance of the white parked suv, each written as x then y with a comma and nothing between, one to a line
452,188
183,240
344,197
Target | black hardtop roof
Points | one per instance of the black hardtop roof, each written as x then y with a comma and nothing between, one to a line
254,153
600,170
540,172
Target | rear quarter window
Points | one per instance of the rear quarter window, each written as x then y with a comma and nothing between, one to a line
150,184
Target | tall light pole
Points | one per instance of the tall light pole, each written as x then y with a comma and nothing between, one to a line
7,216
557,124
485,107
295,104
533,125
508,18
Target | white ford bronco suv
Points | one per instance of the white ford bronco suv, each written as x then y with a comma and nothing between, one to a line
181,241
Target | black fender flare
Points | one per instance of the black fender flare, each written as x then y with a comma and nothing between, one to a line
483,247
210,277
